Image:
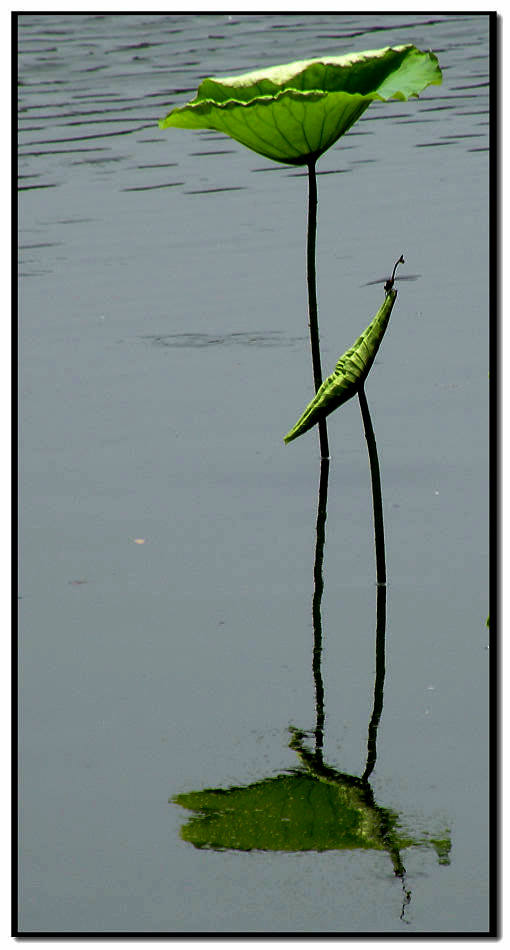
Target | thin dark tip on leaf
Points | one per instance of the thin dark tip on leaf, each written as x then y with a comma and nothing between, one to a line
389,283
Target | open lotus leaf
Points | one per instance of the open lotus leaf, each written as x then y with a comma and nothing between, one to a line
293,113
349,374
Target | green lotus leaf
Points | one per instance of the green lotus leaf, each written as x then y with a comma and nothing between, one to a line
295,112
349,374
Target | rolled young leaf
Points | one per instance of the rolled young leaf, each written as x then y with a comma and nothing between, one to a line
294,112
349,374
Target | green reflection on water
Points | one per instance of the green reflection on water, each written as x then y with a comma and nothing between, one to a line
316,807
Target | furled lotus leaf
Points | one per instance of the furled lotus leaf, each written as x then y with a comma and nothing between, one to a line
349,374
293,113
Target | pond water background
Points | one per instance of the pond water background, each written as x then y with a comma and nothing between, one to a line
164,354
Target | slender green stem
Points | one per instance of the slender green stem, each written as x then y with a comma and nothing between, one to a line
380,558
312,296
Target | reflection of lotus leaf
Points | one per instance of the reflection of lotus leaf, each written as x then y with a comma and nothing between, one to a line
293,812
442,847
293,113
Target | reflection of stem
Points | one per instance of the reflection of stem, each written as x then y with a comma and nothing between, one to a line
312,296
316,606
380,669
380,629
380,558
406,896
380,636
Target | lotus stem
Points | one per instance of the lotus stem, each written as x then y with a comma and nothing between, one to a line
380,558
312,296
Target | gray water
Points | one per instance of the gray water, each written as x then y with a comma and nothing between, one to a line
168,535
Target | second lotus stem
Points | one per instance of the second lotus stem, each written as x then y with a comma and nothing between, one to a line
380,558
312,296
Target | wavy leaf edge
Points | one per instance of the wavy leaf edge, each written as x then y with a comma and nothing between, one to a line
294,71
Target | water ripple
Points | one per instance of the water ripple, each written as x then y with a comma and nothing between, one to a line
85,88
236,338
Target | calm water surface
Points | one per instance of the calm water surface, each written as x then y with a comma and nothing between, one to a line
168,535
